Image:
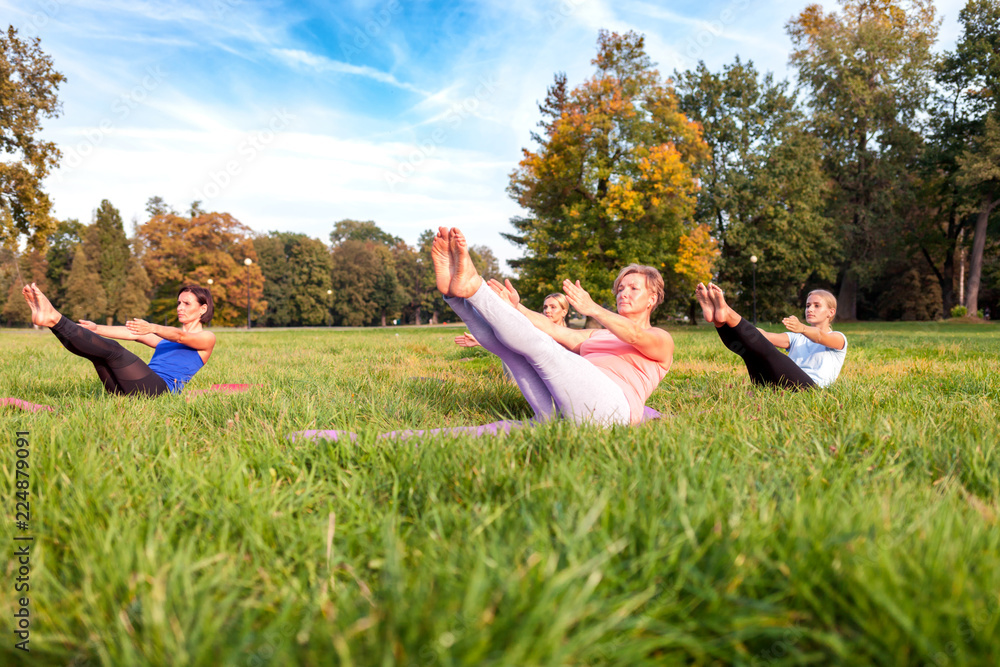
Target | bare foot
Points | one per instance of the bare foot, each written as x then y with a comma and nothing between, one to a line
707,307
723,313
42,312
441,258
465,279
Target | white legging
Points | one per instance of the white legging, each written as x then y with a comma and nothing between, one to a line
551,377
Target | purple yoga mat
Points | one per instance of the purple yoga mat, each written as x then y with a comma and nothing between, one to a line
335,436
493,428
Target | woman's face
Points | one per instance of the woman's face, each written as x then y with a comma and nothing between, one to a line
552,310
634,295
817,312
188,308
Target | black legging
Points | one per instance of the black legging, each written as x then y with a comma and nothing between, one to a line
765,363
121,371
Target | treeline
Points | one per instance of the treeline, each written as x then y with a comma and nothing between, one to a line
96,272
875,178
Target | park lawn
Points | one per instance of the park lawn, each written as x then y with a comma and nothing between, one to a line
854,525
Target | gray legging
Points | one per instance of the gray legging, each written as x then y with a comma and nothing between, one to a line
551,377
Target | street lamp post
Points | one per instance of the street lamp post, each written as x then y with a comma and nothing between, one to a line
753,265
329,305
248,262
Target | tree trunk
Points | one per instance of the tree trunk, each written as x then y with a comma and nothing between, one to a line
383,317
976,260
847,301
416,316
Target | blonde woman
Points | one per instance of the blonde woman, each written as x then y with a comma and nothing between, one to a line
555,308
586,375
816,352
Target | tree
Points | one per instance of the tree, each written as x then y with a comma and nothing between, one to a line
28,86
980,162
411,272
868,71
763,193
353,230
107,246
158,206
959,191
297,272
431,301
85,297
612,181
365,287
31,268
132,299
177,250
61,249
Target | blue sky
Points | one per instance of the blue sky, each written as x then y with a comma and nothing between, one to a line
294,115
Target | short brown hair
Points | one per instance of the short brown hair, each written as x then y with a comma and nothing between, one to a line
654,281
204,298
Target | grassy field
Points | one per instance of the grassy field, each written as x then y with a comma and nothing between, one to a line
855,525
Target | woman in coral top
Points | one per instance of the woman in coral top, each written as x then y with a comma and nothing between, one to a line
179,352
601,376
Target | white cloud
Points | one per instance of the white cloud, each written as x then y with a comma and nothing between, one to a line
319,63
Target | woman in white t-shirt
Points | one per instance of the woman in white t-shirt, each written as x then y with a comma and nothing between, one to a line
815,352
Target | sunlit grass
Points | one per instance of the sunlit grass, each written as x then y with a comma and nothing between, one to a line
854,525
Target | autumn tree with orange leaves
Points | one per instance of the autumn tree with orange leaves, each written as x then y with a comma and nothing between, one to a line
177,250
611,182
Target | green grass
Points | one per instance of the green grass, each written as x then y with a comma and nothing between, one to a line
855,525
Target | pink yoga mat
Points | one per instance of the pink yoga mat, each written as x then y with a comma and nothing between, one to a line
25,405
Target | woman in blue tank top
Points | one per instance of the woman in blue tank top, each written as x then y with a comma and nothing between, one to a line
178,354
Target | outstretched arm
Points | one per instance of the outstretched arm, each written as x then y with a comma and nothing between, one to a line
831,339
571,339
120,333
652,342
777,339
203,341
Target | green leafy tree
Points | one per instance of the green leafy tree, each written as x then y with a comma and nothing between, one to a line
867,70
158,206
411,275
61,249
85,297
297,279
365,287
763,193
959,191
28,87
612,181
107,246
133,299
354,230
979,169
